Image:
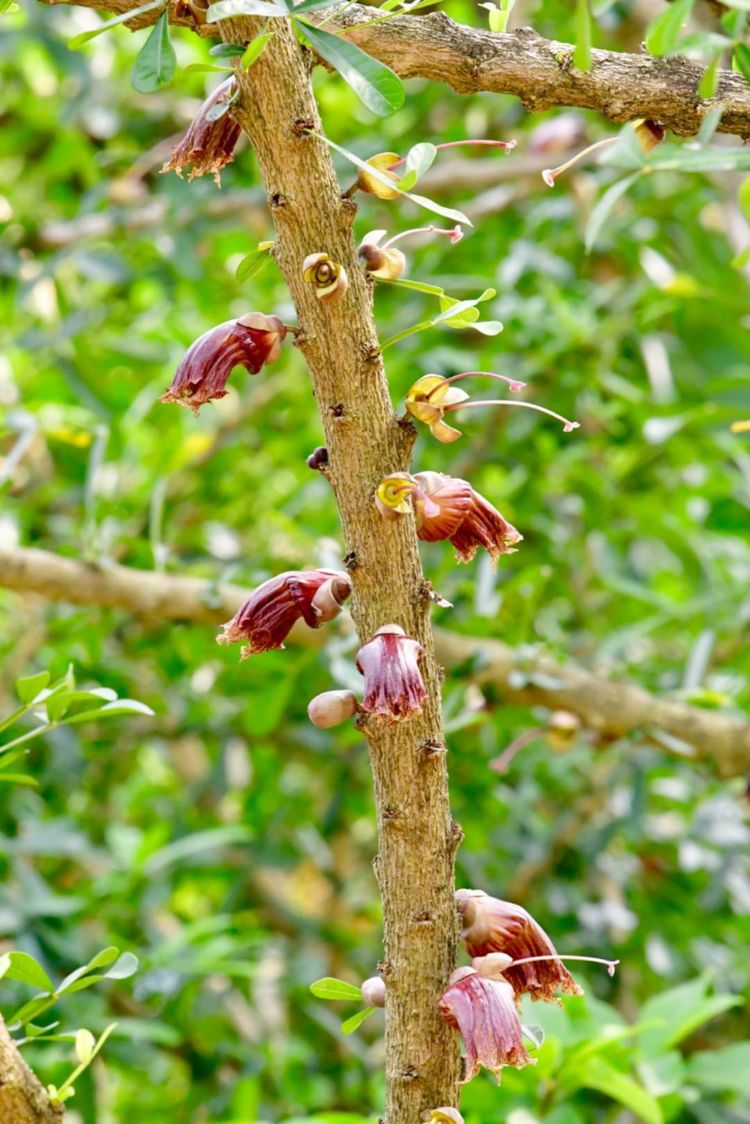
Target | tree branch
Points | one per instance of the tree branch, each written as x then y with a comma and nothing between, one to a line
23,1100
620,86
613,709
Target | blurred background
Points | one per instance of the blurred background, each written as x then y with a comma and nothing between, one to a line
227,842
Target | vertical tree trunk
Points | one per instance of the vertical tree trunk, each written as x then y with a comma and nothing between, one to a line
417,839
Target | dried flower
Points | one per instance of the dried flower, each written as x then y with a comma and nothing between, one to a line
267,617
443,1115
431,397
381,162
393,683
446,507
484,1011
329,278
492,925
373,991
250,342
331,708
209,143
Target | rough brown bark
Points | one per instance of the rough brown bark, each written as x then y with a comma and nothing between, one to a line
23,1100
539,71
614,709
417,838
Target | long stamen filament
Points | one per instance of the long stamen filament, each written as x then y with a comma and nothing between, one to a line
514,384
506,145
549,175
609,964
568,425
455,234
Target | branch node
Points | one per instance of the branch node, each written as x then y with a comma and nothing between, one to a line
302,127
432,748
350,561
278,200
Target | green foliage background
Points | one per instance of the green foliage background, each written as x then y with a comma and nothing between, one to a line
227,842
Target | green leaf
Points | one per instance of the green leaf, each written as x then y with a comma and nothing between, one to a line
601,210
227,9
663,32
84,1045
743,198
227,50
124,967
582,53
600,1075
25,969
29,686
423,201
252,264
111,710
419,159
374,83
676,1013
534,1034
255,49
417,286
331,988
78,40
350,1025
727,1068
156,63
741,60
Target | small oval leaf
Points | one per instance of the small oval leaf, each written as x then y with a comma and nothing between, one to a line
332,988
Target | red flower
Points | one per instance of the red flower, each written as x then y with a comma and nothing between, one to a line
492,925
210,141
484,1011
447,508
251,341
267,617
393,683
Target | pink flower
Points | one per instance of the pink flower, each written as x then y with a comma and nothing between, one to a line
492,925
267,617
210,141
484,1011
393,683
446,507
251,341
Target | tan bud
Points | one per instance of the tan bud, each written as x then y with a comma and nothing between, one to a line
373,992
493,965
330,709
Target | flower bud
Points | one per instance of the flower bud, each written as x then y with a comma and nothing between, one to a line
318,458
649,134
493,965
387,264
209,143
330,709
373,991
381,162
329,278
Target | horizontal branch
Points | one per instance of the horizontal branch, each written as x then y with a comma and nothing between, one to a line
620,86
610,708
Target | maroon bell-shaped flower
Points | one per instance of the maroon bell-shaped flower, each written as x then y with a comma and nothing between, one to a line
446,507
250,342
393,684
209,143
267,617
492,925
484,1011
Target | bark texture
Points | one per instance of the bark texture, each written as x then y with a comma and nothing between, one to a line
539,71
23,1100
365,441
614,709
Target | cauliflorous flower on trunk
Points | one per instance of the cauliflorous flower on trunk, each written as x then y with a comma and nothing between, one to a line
495,926
332,708
373,991
250,342
443,1115
268,615
432,397
384,261
209,143
484,1011
446,507
329,278
393,682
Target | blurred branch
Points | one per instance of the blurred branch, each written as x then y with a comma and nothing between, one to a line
613,709
23,1099
539,71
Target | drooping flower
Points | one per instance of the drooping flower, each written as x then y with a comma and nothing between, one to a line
267,617
250,342
446,507
484,1011
432,396
209,143
329,278
373,991
332,708
648,133
492,926
393,683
